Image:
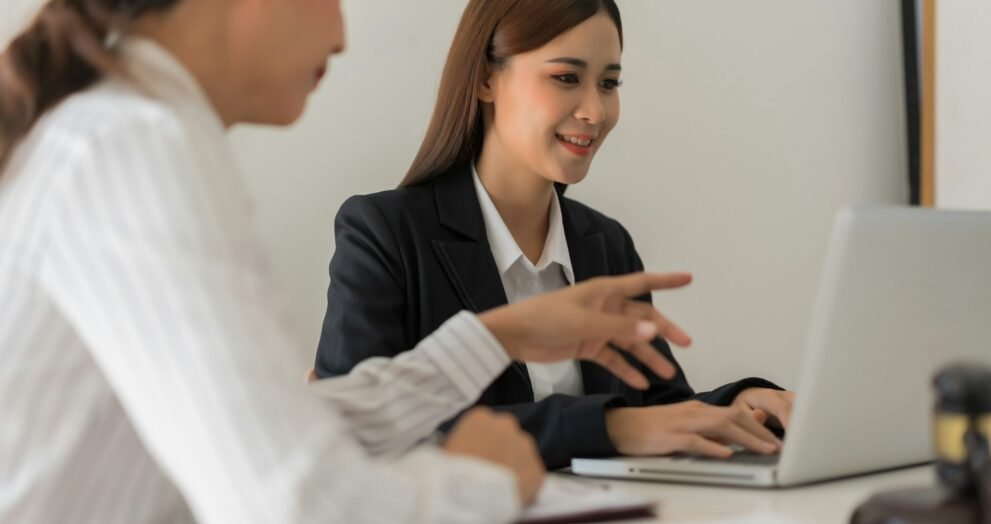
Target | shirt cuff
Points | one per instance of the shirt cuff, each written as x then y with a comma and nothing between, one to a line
466,353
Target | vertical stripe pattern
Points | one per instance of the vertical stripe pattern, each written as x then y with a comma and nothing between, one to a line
142,379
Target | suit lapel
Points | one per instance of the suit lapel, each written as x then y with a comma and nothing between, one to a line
473,273
467,260
587,247
589,260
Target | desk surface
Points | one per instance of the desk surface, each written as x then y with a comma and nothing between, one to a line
826,502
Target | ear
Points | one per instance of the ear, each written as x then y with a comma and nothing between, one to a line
487,91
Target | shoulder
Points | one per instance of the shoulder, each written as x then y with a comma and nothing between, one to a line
617,243
411,206
388,224
109,130
391,206
107,116
596,221
392,201
111,110
136,156
98,132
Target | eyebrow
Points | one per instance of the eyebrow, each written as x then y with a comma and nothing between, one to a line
578,62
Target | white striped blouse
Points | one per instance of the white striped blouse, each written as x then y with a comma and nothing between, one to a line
142,377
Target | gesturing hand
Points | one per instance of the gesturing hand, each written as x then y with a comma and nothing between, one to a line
587,320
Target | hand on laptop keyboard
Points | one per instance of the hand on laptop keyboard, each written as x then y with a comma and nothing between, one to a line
688,427
770,406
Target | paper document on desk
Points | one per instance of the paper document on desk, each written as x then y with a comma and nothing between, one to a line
564,499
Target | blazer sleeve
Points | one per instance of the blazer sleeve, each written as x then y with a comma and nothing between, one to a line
565,426
677,389
365,298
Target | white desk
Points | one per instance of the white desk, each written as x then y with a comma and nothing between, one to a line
828,502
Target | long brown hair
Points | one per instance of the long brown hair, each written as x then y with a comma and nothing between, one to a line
489,33
62,51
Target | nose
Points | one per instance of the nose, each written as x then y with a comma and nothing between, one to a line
338,30
591,109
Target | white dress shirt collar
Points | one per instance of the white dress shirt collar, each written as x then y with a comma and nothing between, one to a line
507,252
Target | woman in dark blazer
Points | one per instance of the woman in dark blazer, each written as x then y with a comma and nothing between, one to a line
527,97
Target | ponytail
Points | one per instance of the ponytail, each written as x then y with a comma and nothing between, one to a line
62,52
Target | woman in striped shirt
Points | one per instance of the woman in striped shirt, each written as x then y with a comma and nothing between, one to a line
141,379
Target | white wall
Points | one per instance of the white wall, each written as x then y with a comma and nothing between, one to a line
16,14
746,125
963,104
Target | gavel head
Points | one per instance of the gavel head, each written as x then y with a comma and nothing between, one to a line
961,423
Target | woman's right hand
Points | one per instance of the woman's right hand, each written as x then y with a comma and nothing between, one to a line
688,427
498,439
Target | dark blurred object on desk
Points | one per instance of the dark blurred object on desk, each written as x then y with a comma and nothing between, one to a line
962,445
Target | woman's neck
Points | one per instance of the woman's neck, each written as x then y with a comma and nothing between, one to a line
522,197
185,30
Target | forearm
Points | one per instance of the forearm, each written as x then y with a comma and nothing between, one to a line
565,426
394,403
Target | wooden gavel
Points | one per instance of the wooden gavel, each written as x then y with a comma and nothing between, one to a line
962,445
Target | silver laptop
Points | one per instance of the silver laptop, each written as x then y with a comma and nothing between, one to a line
904,291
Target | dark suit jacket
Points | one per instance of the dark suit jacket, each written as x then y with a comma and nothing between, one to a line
409,259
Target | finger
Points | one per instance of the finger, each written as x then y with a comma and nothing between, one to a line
694,443
595,325
636,284
628,329
617,365
506,423
746,421
731,431
530,471
782,410
529,453
759,415
653,359
476,415
778,407
665,328
776,404
537,475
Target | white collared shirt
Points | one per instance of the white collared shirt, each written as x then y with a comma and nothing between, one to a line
142,376
522,279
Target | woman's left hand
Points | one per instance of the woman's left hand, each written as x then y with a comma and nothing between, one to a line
769,406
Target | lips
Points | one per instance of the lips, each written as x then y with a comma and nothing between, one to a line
580,145
320,73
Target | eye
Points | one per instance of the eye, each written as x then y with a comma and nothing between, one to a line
610,83
566,78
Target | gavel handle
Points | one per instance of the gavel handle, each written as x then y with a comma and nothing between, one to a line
979,460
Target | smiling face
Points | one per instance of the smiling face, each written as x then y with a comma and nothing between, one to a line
284,48
548,111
